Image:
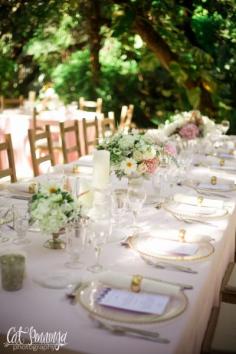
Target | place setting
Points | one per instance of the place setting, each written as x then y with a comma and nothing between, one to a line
214,186
114,298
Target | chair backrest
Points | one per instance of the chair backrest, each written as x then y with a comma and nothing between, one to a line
11,102
7,147
34,120
90,105
126,116
64,130
90,130
220,333
34,138
108,127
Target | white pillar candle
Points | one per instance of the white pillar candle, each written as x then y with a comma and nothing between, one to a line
85,192
101,169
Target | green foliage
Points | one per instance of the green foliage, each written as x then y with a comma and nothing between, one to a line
72,79
52,40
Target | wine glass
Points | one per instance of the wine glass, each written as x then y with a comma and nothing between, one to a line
21,224
118,203
76,236
136,198
6,216
225,124
101,230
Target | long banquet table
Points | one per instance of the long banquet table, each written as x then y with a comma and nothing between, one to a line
48,310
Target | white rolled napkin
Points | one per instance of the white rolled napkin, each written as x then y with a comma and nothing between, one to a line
86,160
73,168
23,187
123,281
191,200
216,187
227,166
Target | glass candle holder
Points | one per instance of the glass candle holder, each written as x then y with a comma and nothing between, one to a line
13,271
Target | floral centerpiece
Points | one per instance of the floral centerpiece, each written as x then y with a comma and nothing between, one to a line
52,208
187,125
132,154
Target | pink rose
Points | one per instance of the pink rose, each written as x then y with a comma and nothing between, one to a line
189,131
170,149
151,165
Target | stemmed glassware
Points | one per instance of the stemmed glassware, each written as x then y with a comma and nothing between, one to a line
225,124
76,238
21,224
6,215
136,197
101,229
118,204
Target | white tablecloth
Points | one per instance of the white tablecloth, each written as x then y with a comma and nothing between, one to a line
49,310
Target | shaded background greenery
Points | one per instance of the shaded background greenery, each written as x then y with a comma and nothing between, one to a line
160,55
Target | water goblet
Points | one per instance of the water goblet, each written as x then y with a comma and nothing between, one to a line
225,124
136,198
21,224
101,230
6,216
118,204
75,235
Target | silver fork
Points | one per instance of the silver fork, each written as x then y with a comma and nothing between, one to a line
167,265
190,220
124,330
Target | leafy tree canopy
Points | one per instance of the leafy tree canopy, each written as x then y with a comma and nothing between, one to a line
160,55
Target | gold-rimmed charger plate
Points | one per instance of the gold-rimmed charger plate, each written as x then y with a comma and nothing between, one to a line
89,292
148,247
183,210
217,189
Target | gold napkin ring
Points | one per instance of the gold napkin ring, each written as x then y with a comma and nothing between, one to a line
135,285
200,200
213,180
222,162
33,187
182,234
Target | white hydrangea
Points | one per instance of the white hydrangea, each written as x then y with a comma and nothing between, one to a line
127,141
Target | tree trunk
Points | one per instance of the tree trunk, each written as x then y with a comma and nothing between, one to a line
91,10
154,41
165,56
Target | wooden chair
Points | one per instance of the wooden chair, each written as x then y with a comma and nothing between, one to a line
11,102
7,147
70,129
126,117
35,124
90,105
34,138
55,133
220,336
107,126
87,126
228,288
